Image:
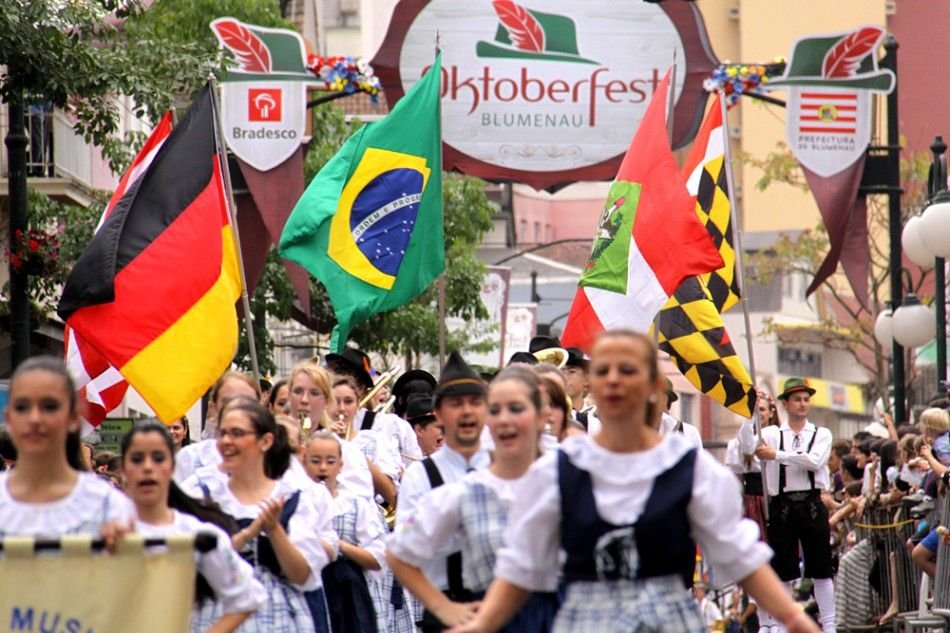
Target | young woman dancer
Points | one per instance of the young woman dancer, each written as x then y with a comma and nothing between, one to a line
624,506
148,461
286,530
50,493
474,511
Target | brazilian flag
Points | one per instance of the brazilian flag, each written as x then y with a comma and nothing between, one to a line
369,225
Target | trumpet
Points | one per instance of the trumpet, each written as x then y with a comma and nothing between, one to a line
556,356
383,381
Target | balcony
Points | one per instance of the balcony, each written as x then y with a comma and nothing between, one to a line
59,162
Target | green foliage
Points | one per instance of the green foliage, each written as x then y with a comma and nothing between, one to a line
273,298
54,217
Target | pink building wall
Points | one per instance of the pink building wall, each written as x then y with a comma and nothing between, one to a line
541,219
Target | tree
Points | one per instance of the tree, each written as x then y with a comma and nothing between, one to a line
842,322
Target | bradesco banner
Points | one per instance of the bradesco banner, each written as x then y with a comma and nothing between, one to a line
547,92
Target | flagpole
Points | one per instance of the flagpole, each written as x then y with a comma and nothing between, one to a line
441,282
740,278
670,101
232,213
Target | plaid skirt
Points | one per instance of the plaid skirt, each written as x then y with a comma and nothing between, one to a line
395,607
652,605
285,611
753,507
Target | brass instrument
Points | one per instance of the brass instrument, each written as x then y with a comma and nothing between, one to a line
386,407
384,379
556,356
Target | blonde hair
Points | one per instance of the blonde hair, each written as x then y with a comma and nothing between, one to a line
935,421
321,378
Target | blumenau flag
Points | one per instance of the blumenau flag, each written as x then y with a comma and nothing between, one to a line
154,292
99,386
369,225
648,240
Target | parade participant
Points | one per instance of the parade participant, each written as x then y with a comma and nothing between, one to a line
286,530
279,400
557,411
796,458
7,450
353,595
49,493
384,460
148,460
296,444
181,433
311,399
355,364
473,512
411,382
205,453
669,424
621,510
429,432
747,466
575,378
460,407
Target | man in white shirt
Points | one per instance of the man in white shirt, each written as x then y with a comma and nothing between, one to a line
461,408
795,458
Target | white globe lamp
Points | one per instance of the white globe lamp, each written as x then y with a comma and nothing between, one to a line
883,328
913,245
935,225
914,323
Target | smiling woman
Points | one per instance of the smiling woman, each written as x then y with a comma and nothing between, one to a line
49,493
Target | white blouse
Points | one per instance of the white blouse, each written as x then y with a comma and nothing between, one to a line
310,523
622,483
231,577
91,503
370,530
431,531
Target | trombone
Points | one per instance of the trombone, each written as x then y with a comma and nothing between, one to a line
383,381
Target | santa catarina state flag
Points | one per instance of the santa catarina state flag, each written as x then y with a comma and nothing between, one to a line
369,225
648,239
154,292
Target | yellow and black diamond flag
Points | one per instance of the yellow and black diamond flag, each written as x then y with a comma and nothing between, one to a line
691,331
690,325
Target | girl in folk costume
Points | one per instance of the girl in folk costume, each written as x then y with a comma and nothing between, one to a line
624,507
50,493
474,511
147,463
286,529
311,400
353,593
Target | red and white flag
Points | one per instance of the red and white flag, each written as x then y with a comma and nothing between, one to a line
99,386
824,112
648,241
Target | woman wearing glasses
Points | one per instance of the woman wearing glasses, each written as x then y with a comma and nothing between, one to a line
286,530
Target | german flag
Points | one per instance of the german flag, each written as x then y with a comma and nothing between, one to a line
154,292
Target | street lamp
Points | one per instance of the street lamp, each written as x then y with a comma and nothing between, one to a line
912,241
884,328
935,225
913,322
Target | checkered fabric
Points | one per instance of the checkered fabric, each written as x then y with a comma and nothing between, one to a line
482,522
658,605
691,331
712,207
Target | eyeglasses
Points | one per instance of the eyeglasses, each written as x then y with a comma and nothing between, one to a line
796,443
234,434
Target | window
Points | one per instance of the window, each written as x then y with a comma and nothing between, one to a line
537,233
794,361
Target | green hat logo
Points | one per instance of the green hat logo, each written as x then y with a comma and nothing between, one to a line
262,53
843,60
528,34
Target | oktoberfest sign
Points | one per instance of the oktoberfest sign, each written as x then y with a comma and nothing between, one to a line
830,80
547,92
263,97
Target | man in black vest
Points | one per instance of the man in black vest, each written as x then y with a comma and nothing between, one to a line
460,406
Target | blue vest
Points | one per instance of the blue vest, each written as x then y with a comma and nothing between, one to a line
658,544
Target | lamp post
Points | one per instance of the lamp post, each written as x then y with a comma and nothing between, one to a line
934,227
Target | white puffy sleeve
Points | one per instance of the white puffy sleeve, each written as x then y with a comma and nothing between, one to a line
426,533
355,478
311,523
118,507
387,457
730,542
529,557
370,530
231,577
415,483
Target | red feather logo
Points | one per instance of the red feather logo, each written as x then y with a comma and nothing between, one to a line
523,29
247,47
845,56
